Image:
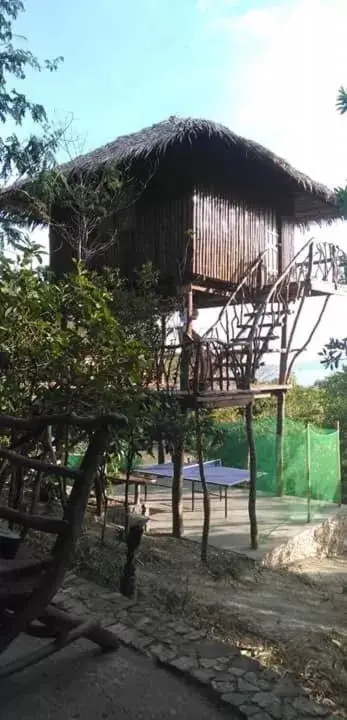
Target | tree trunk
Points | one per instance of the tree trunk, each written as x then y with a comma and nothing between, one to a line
130,457
177,487
207,504
98,494
161,452
253,478
281,410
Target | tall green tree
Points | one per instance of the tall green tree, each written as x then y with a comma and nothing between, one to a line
83,342
19,157
335,350
335,408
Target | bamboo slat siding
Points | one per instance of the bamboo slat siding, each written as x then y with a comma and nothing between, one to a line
287,242
200,235
161,236
228,236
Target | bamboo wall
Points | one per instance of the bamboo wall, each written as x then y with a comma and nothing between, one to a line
200,235
228,236
156,234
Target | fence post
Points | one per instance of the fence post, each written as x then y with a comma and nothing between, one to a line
338,464
308,472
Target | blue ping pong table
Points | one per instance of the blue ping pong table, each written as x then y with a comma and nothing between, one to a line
215,474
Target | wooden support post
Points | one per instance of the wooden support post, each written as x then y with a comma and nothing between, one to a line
161,451
177,485
308,472
338,465
281,397
253,477
281,412
187,331
279,450
207,504
178,453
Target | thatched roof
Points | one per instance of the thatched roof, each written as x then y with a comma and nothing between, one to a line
312,200
184,151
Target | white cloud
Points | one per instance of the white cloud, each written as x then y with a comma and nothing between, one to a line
290,61
283,66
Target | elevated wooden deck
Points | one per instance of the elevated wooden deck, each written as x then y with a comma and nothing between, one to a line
212,399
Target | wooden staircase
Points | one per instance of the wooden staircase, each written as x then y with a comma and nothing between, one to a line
250,325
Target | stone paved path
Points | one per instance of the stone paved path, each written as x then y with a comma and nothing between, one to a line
80,683
241,683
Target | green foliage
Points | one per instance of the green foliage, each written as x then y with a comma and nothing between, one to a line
333,352
81,207
76,342
306,404
20,158
341,102
335,389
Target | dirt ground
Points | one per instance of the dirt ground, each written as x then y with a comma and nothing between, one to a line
292,620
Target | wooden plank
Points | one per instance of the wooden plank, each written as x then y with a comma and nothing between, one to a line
36,522
88,422
48,468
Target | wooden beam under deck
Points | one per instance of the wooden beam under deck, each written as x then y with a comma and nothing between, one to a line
217,296
324,287
232,398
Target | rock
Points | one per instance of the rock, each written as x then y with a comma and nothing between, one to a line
143,622
245,687
249,710
205,663
305,706
140,642
237,672
210,649
235,700
163,653
184,663
223,687
252,678
203,675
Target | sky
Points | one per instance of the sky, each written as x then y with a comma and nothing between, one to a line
268,69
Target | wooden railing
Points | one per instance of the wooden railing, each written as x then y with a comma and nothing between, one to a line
231,351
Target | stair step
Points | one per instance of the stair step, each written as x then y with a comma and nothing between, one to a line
267,337
270,312
263,325
247,341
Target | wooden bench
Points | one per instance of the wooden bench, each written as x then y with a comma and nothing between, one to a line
28,583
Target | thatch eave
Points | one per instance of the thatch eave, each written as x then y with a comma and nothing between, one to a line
236,160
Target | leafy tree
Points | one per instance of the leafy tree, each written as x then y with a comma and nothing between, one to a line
341,102
335,408
333,353
20,158
82,342
335,350
306,404
89,362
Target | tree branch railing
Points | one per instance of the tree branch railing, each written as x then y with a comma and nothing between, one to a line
231,351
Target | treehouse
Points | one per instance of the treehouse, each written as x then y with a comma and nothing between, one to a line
216,215
206,205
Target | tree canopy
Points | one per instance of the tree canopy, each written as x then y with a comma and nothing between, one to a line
20,157
335,350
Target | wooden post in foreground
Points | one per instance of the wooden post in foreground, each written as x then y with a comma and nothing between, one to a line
308,472
253,477
338,464
207,504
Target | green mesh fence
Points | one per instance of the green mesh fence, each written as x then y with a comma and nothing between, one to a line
310,457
